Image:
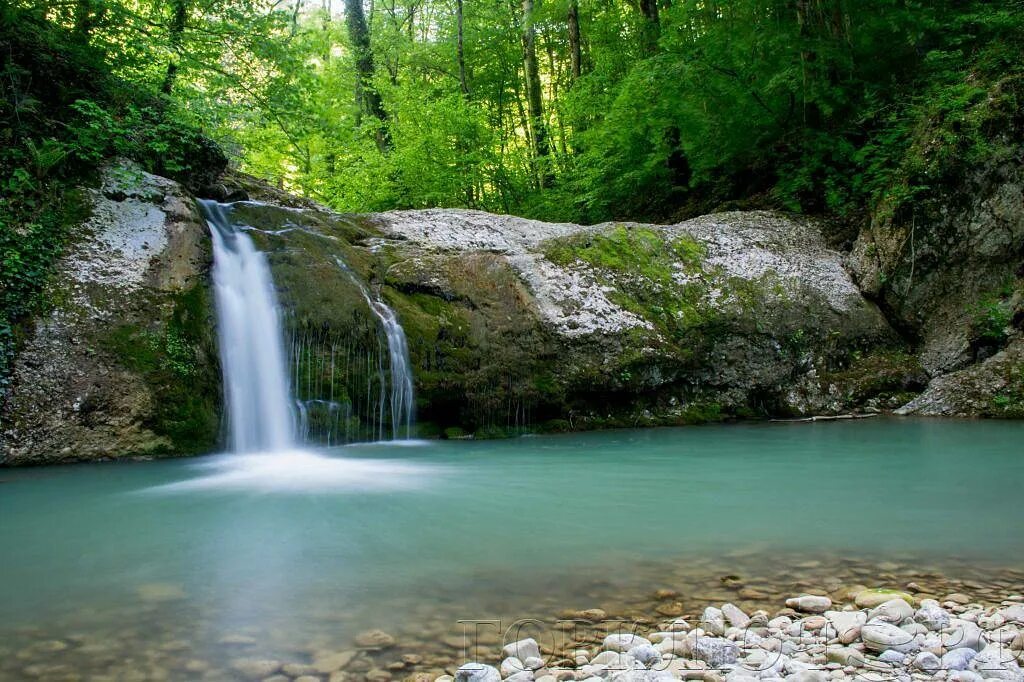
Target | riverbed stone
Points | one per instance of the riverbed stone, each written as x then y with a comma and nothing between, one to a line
958,659
255,668
715,651
882,636
892,611
847,624
735,615
522,649
477,672
810,603
623,642
872,598
996,662
374,639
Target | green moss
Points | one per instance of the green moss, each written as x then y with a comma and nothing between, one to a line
177,361
636,251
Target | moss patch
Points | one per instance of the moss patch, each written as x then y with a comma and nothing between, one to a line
177,360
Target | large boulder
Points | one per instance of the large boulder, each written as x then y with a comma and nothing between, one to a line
124,360
628,324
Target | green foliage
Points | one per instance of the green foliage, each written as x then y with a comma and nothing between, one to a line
62,114
992,316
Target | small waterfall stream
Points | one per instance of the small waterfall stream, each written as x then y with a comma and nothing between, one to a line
399,400
251,350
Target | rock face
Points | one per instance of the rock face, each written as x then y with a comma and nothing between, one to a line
124,361
624,324
951,278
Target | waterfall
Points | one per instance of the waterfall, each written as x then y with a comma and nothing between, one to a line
400,395
251,350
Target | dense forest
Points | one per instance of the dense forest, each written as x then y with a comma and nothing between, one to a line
582,110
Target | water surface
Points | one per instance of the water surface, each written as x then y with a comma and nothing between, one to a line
379,532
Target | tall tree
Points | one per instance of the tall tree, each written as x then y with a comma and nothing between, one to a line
534,97
175,35
367,97
575,42
651,29
460,50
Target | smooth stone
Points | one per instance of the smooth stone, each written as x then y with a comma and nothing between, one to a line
810,603
477,672
844,655
958,659
534,663
871,598
964,676
256,668
299,670
927,662
962,634
623,642
511,665
521,676
378,675
735,615
847,624
996,663
523,649
892,657
880,636
374,639
716,651
1013,613
646,654
892,611
958,598
333,662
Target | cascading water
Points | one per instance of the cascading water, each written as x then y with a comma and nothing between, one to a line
251,351
400,396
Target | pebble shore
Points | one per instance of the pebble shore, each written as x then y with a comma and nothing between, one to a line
879,635
738,617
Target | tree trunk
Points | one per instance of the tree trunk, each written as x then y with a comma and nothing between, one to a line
460,52
651,26
367,97
534,99
575,43
176,30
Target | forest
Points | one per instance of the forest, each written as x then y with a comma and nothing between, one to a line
569,110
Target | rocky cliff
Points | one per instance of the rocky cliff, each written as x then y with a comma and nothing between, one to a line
123,363
518,325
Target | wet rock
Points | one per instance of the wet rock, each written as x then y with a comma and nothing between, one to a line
810,603
255,668
869,599
374,639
